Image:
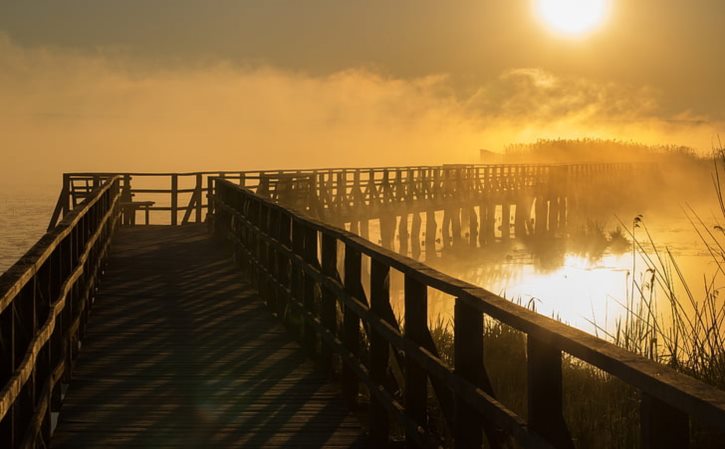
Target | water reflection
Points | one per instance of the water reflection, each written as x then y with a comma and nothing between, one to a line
588,280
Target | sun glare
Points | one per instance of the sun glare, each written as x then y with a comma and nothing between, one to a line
572,17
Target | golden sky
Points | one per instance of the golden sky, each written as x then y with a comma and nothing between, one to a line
182,84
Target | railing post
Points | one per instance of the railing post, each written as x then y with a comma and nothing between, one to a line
174,199
298,246
379,352
219,223
7,367
272,259
351,323
210,203
545,404
199,197
468,358
127,196
283,263
328,307
416,381
662,426
310,257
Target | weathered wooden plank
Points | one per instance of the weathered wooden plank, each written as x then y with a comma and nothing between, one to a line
180,352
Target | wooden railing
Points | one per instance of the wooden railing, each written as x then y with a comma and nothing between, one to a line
293,261
183,197
44,302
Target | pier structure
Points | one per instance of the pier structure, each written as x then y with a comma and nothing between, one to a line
410,208
247,320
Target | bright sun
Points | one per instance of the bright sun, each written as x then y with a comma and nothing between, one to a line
572,17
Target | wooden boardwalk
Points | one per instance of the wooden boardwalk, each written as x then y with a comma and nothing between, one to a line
180,352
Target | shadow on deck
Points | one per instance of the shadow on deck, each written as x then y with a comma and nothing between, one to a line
180,352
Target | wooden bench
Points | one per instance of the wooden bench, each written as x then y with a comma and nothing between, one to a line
129,208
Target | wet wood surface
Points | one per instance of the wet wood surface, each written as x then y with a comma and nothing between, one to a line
180,352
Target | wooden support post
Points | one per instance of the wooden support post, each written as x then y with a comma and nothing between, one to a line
468,350
416,329
446,228
273,290
488,222
542,211
430,234
298,246
310,256
482,223
415,235
351,323
506,220
66,194
210,204
522,217
283,263
174,199
465,223
545,404
663,426
563,213
403,234
7,367
365,228
456,227
387,230
328,306
127,196
472,228
199,197
554,213
379,353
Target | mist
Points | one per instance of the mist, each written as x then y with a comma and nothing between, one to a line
66,110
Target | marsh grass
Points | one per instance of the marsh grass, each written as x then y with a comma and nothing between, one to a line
666,320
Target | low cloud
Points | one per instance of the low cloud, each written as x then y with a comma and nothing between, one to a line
66,111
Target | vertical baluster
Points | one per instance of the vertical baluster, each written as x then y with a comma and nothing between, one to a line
468,350
174,199
663,426
298,246
283,262
328,312
199,200
379,352
351,323
272,260
210,204
416,329
310,256
545,393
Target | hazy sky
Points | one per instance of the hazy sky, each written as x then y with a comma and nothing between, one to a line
327,74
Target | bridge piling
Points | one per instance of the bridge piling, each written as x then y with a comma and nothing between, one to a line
415,235
403,234
430,234
506,220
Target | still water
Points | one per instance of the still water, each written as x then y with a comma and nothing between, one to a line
571,284
24,217
581,282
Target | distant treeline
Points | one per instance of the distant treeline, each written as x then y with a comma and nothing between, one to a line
594,150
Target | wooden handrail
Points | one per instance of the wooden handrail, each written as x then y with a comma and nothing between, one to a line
54,281
278,247
337,188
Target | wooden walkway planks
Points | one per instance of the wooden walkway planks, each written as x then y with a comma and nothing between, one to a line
181,353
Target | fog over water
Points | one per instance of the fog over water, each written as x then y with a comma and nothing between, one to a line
566,279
